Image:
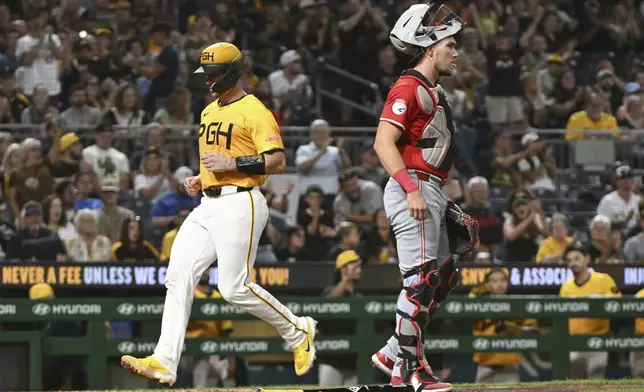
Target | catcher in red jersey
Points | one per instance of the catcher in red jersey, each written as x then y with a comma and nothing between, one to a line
415,145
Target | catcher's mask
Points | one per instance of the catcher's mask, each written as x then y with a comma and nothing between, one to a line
223,66
423,25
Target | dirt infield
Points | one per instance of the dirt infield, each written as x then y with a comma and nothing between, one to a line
552,388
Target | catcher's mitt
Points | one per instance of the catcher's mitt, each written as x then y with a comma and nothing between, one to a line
462,230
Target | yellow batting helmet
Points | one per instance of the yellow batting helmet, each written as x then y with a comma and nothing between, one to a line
223,66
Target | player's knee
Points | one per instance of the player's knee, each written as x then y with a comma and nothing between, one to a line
176,277
229,291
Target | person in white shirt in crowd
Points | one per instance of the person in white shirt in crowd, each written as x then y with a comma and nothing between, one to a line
54,218
108,163
290,85
357,201
79,115
153,179
548,76
126,110
319,163
622,205
634,246
38,52
88,245
533,173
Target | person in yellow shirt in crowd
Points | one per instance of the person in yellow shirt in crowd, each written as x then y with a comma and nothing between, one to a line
552,248
585,283
637,357
168,238
498,367
212,366
593,118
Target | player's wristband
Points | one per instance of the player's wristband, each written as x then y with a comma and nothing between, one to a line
405,180
251,164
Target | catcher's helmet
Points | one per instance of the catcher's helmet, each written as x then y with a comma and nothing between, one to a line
223,66
423,25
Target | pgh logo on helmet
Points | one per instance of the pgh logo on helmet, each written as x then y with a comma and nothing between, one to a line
222,64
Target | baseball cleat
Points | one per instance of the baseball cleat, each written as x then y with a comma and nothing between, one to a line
395,380
148,367
422,380
382,363
304,354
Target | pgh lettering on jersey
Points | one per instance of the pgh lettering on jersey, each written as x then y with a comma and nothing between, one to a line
243,127
421,112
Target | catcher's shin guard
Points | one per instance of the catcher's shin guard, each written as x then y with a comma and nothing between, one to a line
448,274
413,316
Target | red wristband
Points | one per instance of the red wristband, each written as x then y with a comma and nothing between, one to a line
405,180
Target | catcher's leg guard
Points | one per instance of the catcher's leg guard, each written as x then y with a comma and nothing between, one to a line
412,317
448,279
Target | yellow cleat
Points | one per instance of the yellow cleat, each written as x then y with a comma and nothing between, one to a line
305,353
148,367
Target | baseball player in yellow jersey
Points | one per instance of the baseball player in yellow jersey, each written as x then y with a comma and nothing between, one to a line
637,357
239,146
587,283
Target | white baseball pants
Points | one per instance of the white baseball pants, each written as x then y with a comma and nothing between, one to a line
227,229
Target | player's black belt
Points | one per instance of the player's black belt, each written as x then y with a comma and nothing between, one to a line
215,191
430,178
428,142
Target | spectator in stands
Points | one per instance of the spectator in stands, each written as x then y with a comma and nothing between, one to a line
379,242
12,161
10,242
38,51
290,86
66,192
88,245
34,181
5,140
71,155
497,164
533,172
607,89
637,357
634,246
269,240
79,115
296,248
535,55
316,34
593,118
552,248
633,113
453,188
176,110
370,168
341,369
498,367
605,246
110,216
165,210
621,206
126,112
566,98
523,228
585,282
38,243
132,246
503,101
472,64
84,183
17,102
319,163
106,161
318,223
168,238
163,72
478,206
459,102
37,113
348,239
548,77
56,220
154,179
357,201
154,138
212,366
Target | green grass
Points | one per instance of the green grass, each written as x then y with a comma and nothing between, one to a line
624,381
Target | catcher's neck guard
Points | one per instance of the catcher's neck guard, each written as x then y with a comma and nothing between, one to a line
423,25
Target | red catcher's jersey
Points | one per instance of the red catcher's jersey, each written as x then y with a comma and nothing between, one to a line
424,117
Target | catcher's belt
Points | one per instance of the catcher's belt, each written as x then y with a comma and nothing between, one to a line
462,230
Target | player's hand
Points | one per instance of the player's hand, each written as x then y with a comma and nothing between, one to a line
192,185
217,163
417,205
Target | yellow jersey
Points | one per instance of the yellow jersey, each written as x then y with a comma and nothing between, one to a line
207,329
579,122
639,322
166,245
598,284
550,246
243,127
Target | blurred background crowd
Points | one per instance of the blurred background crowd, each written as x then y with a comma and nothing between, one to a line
99,115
